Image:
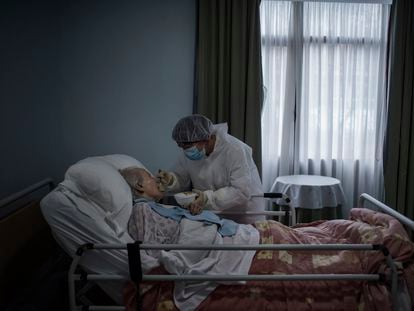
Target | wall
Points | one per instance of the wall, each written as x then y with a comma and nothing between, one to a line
127,69
82,78
29,99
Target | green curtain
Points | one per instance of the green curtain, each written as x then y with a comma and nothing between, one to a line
228,68
399,146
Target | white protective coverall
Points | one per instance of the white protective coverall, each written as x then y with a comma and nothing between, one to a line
228,176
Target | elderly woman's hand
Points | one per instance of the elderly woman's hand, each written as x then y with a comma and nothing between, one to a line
196,207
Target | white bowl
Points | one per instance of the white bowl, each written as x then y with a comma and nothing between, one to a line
185,198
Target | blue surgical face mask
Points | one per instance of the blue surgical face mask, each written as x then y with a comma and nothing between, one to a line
194,154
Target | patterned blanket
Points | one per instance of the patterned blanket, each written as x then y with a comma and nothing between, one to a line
365,226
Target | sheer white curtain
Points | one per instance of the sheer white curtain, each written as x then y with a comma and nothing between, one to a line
334,66
279,79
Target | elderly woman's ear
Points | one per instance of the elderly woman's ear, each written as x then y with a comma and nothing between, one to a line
138,187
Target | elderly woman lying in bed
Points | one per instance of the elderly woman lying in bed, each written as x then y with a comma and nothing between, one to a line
162,221
155,223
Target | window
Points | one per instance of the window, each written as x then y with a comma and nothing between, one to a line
324,74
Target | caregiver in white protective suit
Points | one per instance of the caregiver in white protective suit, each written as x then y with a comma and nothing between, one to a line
217,166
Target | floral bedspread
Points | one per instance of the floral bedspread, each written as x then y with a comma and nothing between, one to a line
365,227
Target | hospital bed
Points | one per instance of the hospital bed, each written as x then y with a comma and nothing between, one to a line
98,247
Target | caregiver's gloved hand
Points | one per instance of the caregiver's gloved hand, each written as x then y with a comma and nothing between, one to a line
166,179
197,206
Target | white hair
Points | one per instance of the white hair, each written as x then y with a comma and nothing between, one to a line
133,176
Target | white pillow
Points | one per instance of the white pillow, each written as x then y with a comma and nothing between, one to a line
101,183
98,180
121,161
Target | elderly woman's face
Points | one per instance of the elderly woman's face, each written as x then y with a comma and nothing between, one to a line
150,186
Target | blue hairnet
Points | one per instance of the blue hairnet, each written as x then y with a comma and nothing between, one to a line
192,128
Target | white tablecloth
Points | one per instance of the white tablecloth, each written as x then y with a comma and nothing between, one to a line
310,191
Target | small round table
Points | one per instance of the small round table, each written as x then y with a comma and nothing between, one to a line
311,192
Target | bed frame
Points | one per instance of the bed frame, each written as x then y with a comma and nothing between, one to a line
20,212
137,276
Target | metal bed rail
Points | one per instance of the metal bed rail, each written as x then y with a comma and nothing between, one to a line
267,195
6,207
385,208
18,195
137,276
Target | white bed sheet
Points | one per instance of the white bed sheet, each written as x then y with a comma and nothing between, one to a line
188,295
75,221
